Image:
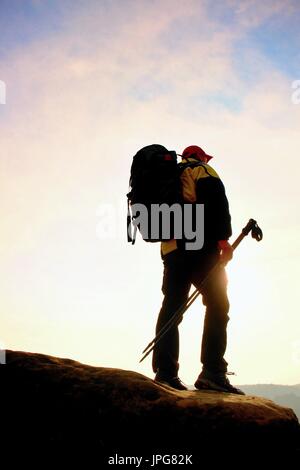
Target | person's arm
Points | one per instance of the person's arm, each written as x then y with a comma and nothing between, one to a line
217,220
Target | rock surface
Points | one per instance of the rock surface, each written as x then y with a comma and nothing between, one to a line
60,405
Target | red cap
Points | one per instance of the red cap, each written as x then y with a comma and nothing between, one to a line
195,152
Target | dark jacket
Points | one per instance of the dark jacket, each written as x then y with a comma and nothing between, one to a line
201,184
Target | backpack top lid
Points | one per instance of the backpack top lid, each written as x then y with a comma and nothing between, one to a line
152,153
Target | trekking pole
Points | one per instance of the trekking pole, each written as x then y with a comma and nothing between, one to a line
256,233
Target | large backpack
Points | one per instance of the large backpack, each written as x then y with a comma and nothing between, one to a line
154,179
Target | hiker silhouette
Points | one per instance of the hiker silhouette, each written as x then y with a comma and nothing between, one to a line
184,267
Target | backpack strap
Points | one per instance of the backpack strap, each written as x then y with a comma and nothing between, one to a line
131,237
183,166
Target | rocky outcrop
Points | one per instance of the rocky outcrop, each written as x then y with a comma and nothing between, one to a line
60,405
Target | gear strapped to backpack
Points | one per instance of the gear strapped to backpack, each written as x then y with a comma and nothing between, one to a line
154,181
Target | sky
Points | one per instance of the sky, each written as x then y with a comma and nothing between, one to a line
83,86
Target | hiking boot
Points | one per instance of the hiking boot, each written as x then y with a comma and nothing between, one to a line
173,382
216,381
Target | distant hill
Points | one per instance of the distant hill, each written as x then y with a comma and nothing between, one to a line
285,395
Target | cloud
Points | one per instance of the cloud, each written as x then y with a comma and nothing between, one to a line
250,14
78,101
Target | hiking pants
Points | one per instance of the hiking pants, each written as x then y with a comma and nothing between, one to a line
181,270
